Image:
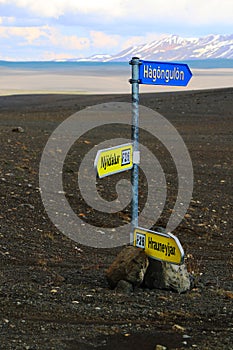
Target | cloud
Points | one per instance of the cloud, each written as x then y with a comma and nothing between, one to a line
45,36
124,17
27,34
166,11
68,42
188,11
52,55
102,40
7,20
141,39
56,8
209,12
81,28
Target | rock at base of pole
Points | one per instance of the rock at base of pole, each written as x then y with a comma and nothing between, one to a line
130,265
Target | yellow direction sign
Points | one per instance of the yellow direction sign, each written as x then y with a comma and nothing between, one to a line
160,246
113,160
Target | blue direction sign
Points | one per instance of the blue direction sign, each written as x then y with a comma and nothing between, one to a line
164,73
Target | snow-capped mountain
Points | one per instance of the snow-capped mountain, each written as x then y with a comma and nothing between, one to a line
93,58
174,47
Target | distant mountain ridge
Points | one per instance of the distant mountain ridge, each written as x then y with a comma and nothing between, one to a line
173,47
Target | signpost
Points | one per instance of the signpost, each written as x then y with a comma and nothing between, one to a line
152,73
164,73
114,160
159,246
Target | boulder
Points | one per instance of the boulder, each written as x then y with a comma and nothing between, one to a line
130,265
163,275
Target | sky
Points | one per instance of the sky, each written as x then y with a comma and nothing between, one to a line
62,29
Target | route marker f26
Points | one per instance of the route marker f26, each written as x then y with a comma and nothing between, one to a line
159,246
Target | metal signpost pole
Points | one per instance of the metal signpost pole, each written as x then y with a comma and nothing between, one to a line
135,133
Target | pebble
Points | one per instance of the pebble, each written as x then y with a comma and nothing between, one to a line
124,287
53,291
177,327
160,347
186,336
27,205
18,129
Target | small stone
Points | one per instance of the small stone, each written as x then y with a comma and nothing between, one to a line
30,206
53,291
228,294
160,347
177,327
18,129
186,336
124,287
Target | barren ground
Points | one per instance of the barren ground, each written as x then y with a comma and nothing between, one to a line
53,292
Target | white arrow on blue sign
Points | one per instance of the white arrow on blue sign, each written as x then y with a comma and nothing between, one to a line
164,73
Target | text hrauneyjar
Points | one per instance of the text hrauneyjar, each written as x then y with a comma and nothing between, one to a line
167,249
